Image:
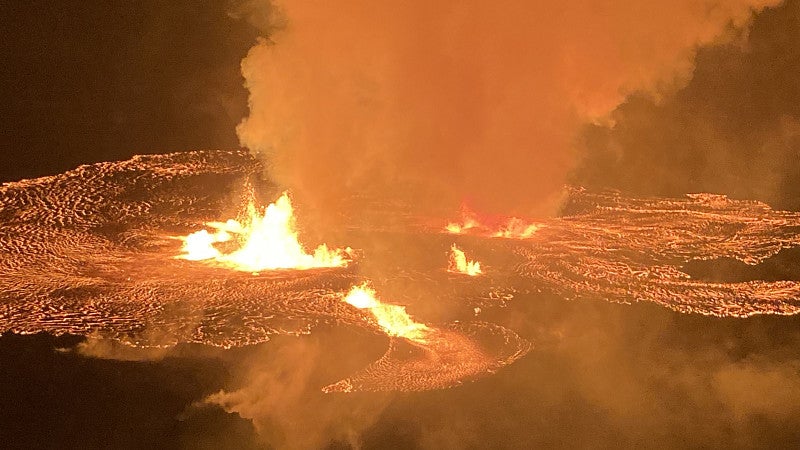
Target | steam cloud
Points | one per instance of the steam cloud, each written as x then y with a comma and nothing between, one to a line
734,129
457,101
281,395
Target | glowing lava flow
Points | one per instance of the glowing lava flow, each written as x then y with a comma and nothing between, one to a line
267,241
393,319
460,264
512,228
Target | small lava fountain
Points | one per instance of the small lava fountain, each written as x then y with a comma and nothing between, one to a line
458,263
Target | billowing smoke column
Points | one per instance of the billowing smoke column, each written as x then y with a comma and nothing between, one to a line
447,102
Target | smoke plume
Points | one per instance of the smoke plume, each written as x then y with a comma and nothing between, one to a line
734,129
280,391
445,102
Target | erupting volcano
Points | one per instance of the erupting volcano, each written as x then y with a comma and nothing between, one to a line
92,251
418,224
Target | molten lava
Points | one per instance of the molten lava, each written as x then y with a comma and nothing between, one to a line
460,264
512,228
516,228
393,319
265,240
84,253
467,224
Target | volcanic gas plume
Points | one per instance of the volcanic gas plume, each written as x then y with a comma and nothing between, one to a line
438,102
94,251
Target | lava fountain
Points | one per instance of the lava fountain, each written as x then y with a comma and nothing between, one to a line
508,227
459,263
267,240
393,319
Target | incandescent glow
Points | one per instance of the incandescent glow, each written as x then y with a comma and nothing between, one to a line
459,263
200,245
393,319
516,228
267,240
511,228
468,223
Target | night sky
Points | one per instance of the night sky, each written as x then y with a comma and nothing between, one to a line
90,83
84,83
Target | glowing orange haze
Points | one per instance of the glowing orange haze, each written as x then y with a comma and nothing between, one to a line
442,101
